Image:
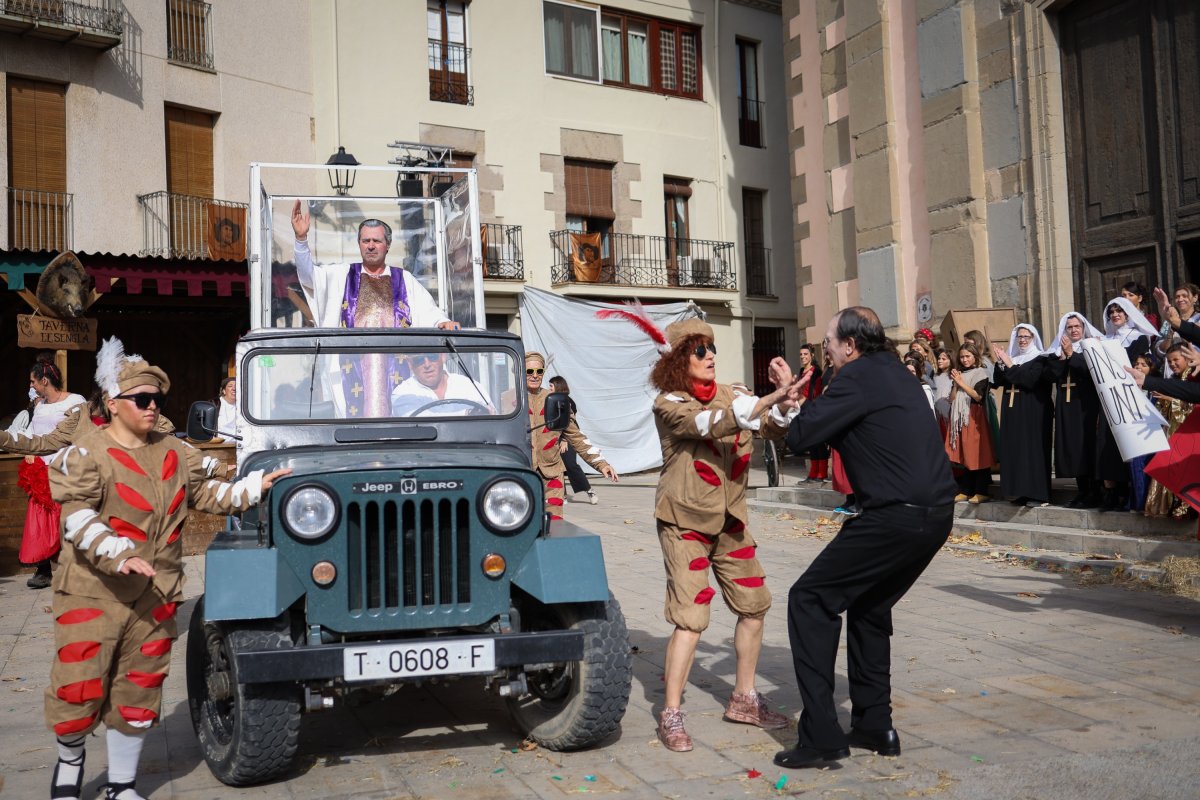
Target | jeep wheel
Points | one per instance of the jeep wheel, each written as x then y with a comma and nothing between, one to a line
579,704
248,732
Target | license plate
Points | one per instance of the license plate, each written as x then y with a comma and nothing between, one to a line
456,657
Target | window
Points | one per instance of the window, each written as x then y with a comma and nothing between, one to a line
448,52
749,106
768,344
571,41
590,199
758,265
676,192
635,52
39,207
189,39
189,175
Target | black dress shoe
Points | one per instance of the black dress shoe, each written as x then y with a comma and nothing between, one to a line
801,757
1077,501
885,743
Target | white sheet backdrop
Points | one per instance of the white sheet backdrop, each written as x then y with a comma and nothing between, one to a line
607,364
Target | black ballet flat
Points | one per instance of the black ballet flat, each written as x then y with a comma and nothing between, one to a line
70,791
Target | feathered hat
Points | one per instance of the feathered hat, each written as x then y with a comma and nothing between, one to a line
676,331
117,373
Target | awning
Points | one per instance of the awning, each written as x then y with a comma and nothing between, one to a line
137,274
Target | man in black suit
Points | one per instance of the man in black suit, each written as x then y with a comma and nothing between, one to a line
878,419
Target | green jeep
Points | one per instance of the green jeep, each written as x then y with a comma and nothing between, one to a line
409,544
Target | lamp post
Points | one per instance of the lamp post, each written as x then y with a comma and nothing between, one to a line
341,172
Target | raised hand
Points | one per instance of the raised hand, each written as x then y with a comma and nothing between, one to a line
779,372
1164,302
1067,349
1002,355
300,222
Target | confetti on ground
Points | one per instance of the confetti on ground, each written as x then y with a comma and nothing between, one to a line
589,778
497,770
977,759
782,782
556,777
983,694
753,773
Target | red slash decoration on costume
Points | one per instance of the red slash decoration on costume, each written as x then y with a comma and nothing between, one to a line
125,460
170,464
131,496
706,473
126,529
739,466
176,500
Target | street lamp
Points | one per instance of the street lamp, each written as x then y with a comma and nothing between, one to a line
341,174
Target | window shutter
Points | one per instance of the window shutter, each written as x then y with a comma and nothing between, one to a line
589,189
189,152
37,135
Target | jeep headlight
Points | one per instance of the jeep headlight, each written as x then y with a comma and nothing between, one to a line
507,505
310,512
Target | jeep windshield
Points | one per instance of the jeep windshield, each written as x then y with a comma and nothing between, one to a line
321,384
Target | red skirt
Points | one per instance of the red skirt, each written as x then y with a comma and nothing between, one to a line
837,473
40,539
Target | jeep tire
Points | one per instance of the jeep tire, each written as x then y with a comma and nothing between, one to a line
247,732
579,704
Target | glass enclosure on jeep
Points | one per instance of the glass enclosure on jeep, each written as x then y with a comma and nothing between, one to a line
323,384
431,214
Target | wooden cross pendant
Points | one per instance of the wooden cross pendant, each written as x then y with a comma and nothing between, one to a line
1068,386
1012,391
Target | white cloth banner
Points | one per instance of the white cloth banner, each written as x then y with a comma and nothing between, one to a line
606,362
1135,422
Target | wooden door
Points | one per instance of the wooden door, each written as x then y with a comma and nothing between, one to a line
1131,73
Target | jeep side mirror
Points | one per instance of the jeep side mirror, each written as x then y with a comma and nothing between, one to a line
202,421
558,411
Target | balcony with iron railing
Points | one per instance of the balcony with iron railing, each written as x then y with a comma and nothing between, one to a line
448,73
40,220
647,261
91,23
189,33
503,252
185,226
750,118
758,271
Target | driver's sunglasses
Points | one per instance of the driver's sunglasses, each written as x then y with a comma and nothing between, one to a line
143,399
529,371
421,358
701,349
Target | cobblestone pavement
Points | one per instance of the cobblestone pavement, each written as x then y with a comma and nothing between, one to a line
1009,683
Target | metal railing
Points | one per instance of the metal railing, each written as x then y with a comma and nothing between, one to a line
40,220
750,116
758,271
189,33
448,73
503,252
95,15
631,260
186,226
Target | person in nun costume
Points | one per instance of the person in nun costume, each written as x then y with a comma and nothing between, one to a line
1123,323
1076,408
1026,417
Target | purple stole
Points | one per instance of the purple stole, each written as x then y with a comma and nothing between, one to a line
354,384
399,297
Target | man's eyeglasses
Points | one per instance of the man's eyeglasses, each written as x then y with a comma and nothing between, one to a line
701,349
421,358
529,371
143,399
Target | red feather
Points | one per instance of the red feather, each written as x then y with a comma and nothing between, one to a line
637,316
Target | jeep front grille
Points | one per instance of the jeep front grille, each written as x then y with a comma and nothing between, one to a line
408,554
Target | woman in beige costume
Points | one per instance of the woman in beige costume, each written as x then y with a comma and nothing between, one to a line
125,491
706,430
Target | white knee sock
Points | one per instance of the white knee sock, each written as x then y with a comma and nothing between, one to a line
124,750
70,753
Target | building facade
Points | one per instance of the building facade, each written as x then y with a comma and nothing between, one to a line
126,132
955,154
632,149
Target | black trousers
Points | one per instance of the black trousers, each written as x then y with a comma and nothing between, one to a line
575,473
863,572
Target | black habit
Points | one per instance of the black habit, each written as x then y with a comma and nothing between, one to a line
1026,425
875,414
1076,411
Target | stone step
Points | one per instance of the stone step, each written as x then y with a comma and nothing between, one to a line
1029,537
1002,511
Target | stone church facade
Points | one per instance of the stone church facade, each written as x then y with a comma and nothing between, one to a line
953,154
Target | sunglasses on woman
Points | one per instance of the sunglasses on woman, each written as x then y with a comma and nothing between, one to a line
701,349
529,371
143,399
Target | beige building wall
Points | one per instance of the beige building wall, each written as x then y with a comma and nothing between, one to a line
524,122
260,91
929,160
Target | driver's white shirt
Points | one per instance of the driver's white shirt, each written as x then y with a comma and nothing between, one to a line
458,387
